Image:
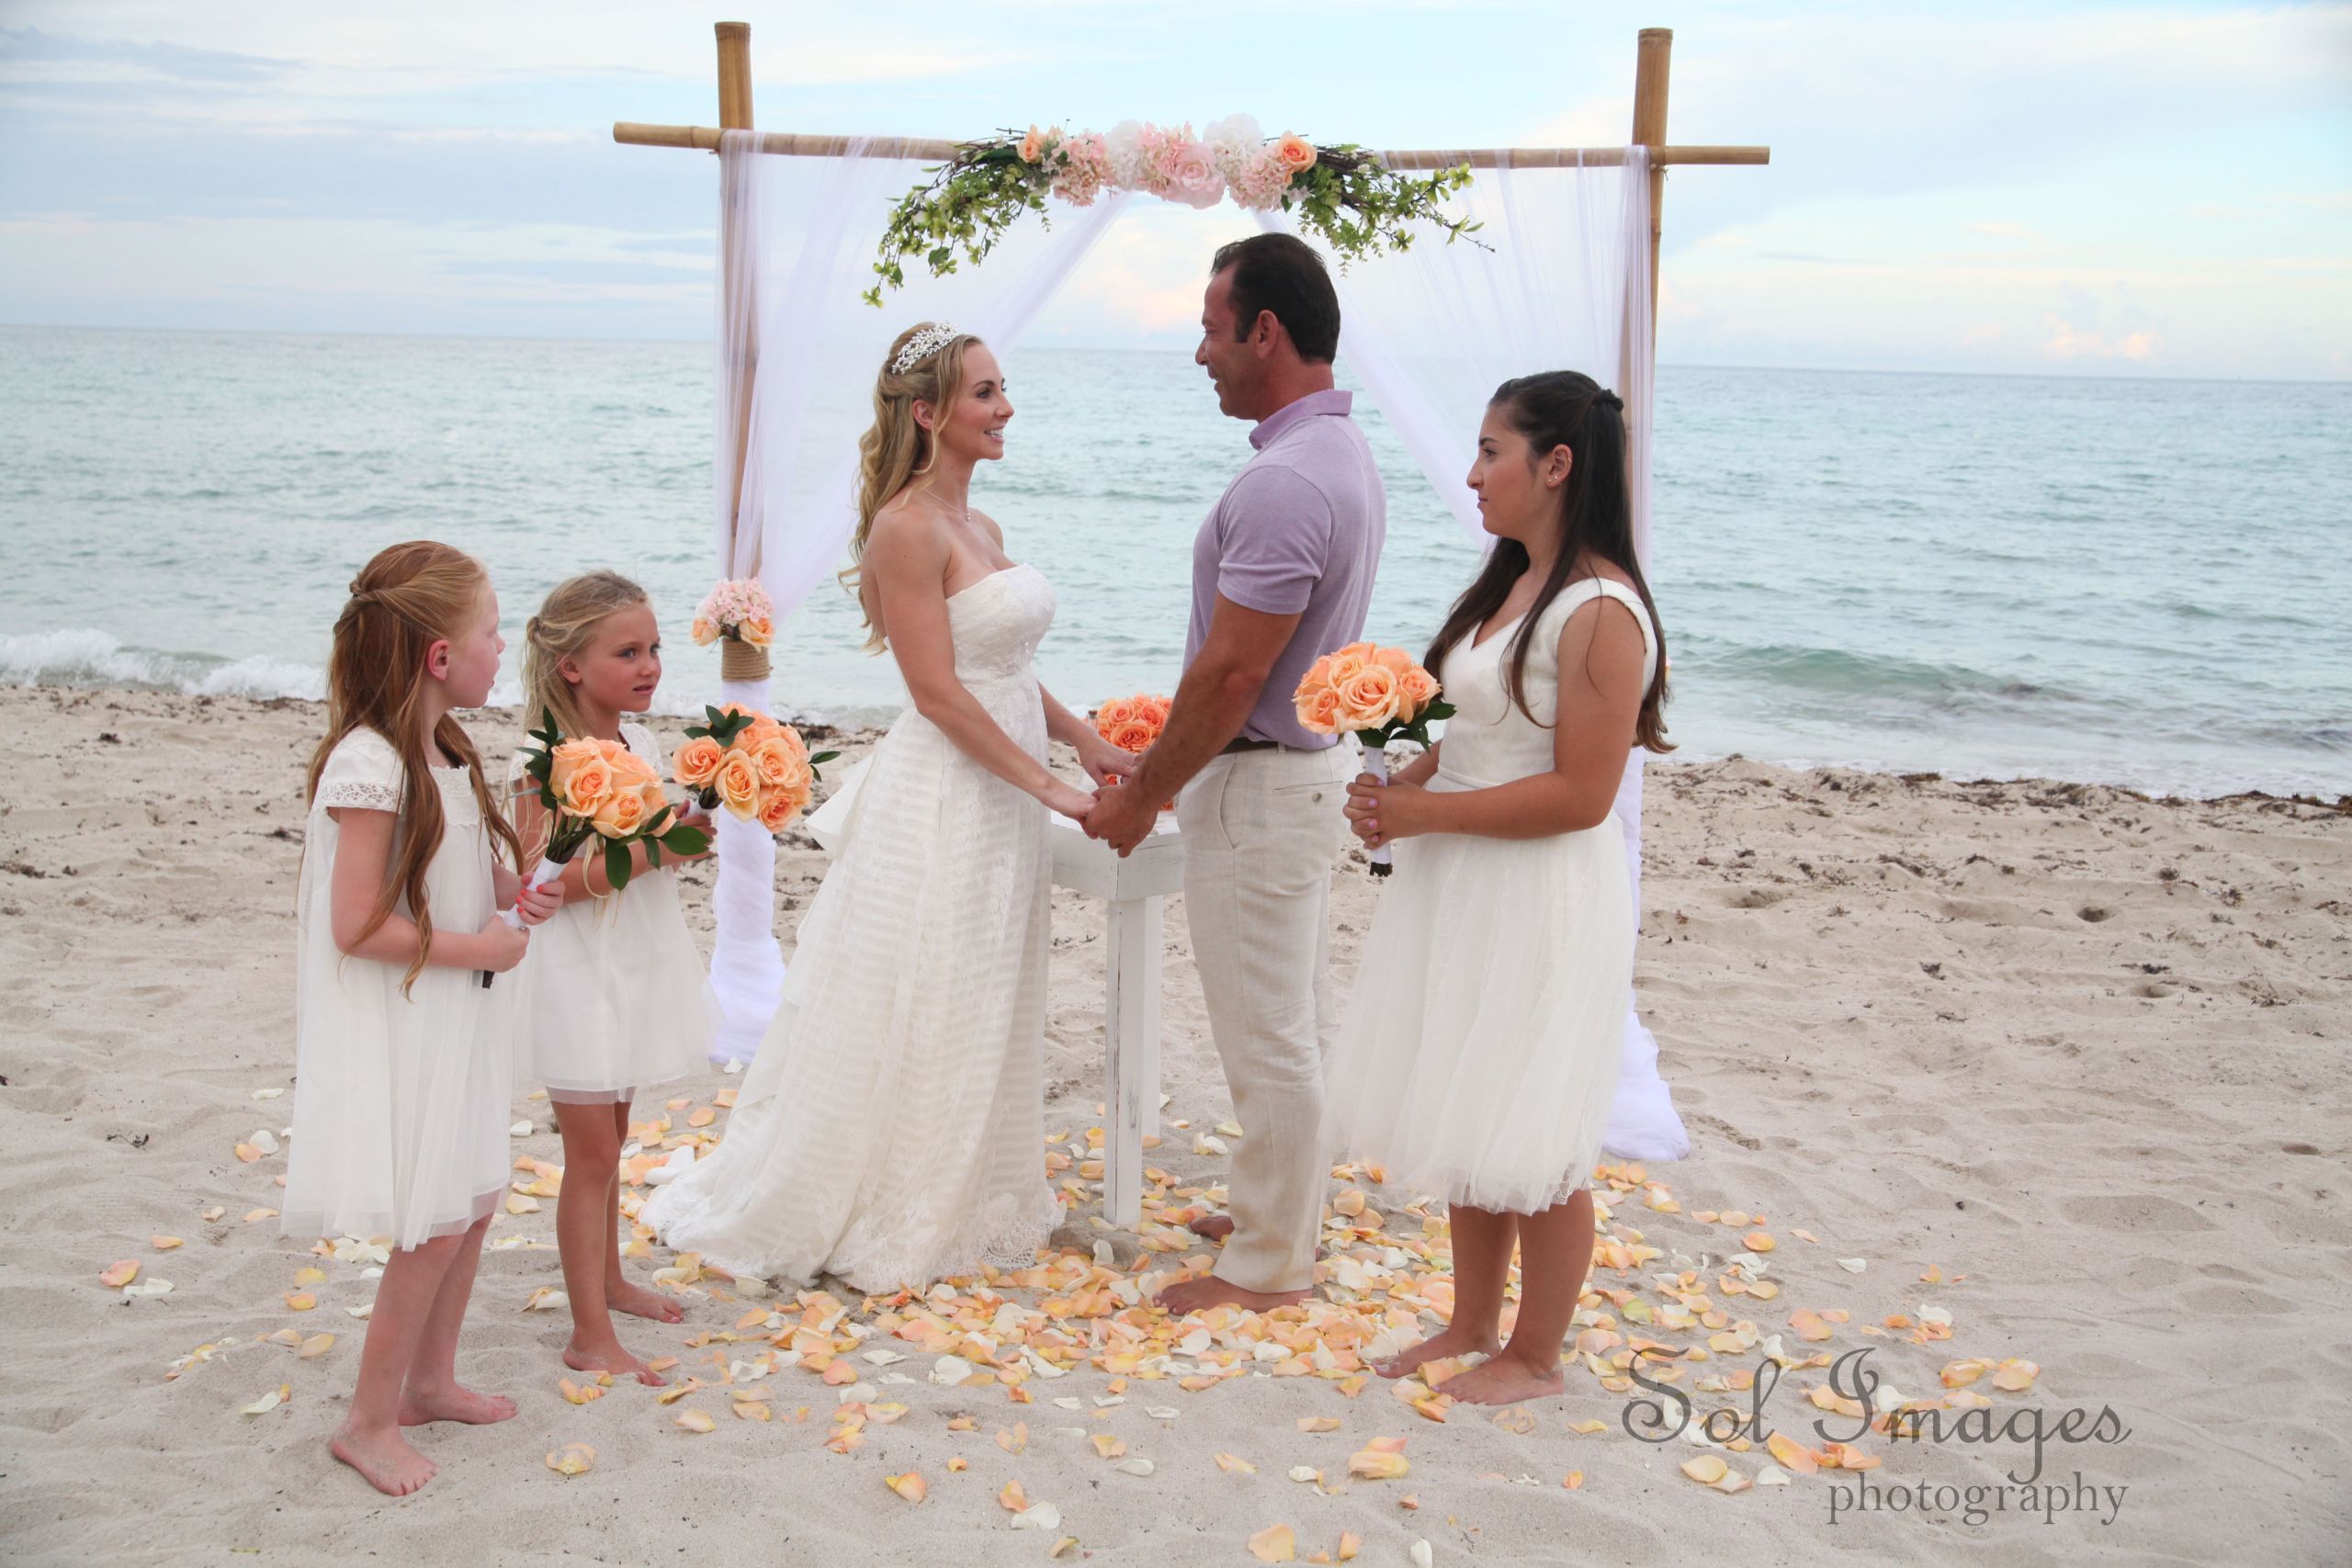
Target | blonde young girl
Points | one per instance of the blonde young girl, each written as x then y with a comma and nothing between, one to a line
403,1071
617,995
1482,1042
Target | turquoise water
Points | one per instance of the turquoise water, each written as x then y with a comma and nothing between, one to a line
2131,581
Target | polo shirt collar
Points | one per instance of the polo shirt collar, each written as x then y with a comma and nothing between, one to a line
1333,401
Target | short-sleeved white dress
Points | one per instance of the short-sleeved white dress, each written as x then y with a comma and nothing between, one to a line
1481,1046
617,999
400,1102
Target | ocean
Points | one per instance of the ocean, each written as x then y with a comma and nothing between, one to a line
2106,581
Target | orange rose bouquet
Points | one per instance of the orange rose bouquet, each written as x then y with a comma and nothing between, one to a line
1377,694
1132,723
759,770
600,791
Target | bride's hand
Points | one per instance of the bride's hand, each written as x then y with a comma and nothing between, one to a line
1071,803
1104,762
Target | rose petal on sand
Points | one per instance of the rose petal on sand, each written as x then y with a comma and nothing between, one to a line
1107,1446
547,1298
1586,1428
573,1458
1015,1439
317,1345
1791,1453
301,1301
1707,1469
910,1486
1275,1543
1318,1423
1038,1516
2015,1376
1758,1241
1422,1556
1375,1463
268,1402
117,1275
1234,1465
255,1216
1133,1467
695,1420
307,1276
1572,1481
1853,1264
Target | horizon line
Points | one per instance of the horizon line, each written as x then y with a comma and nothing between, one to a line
1149,349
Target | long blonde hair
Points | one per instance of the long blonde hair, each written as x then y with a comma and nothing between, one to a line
409,597
896,451
563,628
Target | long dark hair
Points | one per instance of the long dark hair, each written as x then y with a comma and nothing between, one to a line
1562,408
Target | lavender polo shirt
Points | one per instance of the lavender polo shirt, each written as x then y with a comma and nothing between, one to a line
1297,532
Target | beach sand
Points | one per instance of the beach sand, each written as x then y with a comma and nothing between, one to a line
2078,1053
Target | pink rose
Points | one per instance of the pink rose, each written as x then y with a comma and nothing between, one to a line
1193,178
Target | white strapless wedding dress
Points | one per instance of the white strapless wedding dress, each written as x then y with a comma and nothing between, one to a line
892,1130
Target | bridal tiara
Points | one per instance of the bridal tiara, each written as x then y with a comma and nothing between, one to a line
922,345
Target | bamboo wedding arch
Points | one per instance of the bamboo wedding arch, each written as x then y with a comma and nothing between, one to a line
1653,58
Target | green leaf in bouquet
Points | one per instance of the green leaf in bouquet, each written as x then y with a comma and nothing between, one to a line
652,852
1439,708
617,862
685,839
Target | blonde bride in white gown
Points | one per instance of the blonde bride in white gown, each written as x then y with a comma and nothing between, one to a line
890,1131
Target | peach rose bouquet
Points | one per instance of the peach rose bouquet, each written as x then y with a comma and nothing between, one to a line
600,791
1132,723
1377,694
738,610
758,770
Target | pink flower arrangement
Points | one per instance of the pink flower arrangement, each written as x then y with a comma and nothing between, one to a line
738,610
1086,169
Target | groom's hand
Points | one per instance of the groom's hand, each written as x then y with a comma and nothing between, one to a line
1122,819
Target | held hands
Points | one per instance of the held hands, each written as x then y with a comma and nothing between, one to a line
1074,804
1104,764
1123,819
1382,813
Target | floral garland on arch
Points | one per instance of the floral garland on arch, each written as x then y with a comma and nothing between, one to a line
1341,192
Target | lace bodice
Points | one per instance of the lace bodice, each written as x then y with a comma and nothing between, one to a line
998,623
363,771
1488,741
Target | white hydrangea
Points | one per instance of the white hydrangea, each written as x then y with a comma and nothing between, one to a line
1235,142
1124,141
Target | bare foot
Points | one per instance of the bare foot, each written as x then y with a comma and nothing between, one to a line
1444,1344
1506,1380
384,1459
611,1357
639,1301
1208,1291
453,1403
1210,1227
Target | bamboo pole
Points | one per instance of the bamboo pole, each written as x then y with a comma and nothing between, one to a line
1654,56
931,150
740,661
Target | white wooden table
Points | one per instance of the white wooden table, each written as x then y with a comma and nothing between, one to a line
1136,889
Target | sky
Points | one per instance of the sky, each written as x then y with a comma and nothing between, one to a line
2084,188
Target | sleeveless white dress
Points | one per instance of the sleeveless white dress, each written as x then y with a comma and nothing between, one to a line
400,1102
892,1130
616,999
1482,1041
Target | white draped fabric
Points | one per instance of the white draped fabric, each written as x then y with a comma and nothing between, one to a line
1432,330
797,355
1430,333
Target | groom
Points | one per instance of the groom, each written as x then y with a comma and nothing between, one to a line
1282,573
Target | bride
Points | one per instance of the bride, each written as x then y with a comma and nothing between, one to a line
890,1131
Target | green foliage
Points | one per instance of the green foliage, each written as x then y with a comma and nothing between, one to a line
1417,732
1358,207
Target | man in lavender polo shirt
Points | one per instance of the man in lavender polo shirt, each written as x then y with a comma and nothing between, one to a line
1282,573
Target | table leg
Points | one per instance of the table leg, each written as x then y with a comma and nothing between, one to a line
1131,1038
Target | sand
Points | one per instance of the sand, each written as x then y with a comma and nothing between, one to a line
2077,1051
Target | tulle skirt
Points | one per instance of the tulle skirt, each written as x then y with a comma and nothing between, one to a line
400,1102
616,1000
1482,1042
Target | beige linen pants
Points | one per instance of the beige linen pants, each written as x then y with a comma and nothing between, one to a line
1261,830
